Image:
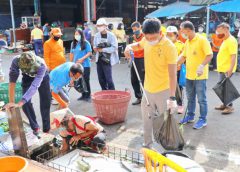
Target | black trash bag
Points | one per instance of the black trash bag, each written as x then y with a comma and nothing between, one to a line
80,85
226,91
178,94
167,132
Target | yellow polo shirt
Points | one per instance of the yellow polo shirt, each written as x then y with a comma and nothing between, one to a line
156,60
195,52
229,47
37,33
179,45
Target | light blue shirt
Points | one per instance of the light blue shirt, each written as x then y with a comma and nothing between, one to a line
113,50
78,53
45,31
60,77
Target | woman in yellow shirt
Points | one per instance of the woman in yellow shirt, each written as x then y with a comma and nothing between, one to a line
172,34
121,37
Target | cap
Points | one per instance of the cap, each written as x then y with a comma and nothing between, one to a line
56,32
29,63
101,21
172,29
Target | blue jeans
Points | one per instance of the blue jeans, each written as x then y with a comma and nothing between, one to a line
197,88
38,46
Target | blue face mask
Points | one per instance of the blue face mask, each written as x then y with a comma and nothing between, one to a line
137,32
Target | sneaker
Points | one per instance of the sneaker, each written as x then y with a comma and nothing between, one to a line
180,109
200,124
36,132
228,110
137,102
187,119
54,102
221,107
81,98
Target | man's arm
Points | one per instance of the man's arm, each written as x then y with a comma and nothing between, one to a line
233,62
172,70
207,59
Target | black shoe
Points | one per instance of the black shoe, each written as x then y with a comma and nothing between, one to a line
87,99
81,98
137,102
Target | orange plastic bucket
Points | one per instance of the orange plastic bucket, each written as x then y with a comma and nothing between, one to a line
13,164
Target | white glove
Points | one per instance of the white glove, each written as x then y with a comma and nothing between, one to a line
200,70
172,106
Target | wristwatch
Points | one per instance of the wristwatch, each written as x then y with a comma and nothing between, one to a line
172,98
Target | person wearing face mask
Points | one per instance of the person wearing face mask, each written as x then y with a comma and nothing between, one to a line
226,59
121,38
139,61
53,50
160,58
105,57
172,34
60,77
200,30
197,54
81,52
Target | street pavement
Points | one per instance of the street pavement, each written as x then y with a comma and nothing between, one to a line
215,147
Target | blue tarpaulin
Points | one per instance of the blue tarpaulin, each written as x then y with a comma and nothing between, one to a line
231,6
174,9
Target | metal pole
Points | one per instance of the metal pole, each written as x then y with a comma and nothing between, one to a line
136,10
89,11
208,19
13,24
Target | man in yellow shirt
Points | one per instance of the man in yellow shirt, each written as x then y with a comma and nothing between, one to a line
226,59
160,61
121,37
172,34
37,40
197,54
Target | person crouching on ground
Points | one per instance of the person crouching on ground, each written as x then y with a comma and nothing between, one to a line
61,77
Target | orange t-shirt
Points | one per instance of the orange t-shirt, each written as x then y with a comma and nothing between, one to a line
138,51
54,53
216,43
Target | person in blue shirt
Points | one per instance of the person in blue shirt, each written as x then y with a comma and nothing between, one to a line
46,32
61,77
81,52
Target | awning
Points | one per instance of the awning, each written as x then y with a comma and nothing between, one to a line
204,2
174,9
230,6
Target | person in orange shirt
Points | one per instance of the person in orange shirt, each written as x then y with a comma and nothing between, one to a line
53,50
139,61
216,43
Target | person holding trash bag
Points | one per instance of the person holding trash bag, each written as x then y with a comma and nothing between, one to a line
172,34
226,60
80,53
61,77
160,57
197,54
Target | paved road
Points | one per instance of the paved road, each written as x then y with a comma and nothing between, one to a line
216,147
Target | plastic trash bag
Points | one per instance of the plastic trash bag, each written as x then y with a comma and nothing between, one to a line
182,78
80,86
178,94
226,91
167,132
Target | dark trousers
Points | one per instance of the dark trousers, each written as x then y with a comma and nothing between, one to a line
38,46
214,60
45,37
121,48
180,99
86,77
134,80
105,75
45,103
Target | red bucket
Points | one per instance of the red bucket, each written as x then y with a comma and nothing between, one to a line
111,106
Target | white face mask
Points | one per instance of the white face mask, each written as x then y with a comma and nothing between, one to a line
200,30
101,29
78,37
184,36
153,42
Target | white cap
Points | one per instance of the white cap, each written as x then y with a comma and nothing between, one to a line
172,29
102,21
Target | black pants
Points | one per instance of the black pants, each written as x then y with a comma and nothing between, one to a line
45,103
179,101
121,48
134,80
105,75
86,77
46,38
